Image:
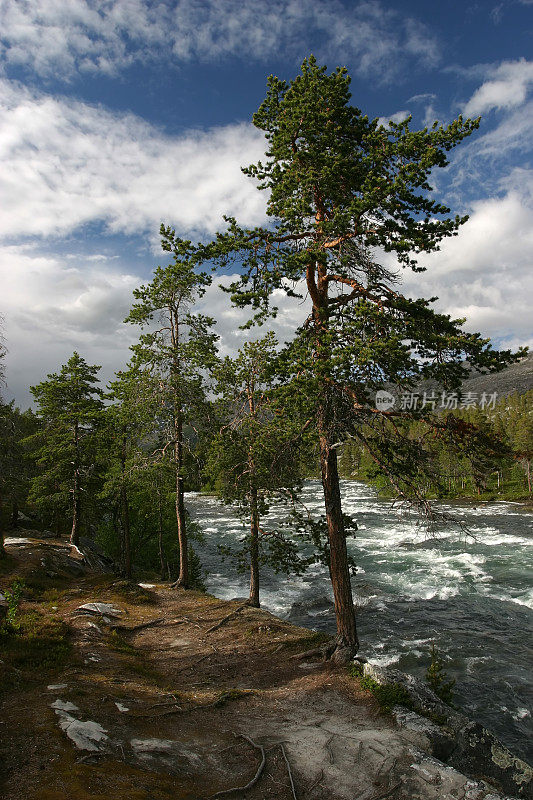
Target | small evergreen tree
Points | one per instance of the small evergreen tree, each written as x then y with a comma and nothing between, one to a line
69,405
128,423
177,350
16,467
257,456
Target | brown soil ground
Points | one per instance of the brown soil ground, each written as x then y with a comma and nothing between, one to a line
205,691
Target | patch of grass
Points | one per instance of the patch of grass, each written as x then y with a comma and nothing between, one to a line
387,694
392,694
119,644
133,593
356,670
53,595
38,643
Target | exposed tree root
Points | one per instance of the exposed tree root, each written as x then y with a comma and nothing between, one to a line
315,784
289,771
135,628
257,774
324,651
387,793
226,618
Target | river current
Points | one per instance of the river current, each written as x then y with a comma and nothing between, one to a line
470,594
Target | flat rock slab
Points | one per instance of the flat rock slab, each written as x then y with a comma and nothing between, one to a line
64,705
17,540
100,609
85,734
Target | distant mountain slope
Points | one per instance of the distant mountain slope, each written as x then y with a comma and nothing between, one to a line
517,378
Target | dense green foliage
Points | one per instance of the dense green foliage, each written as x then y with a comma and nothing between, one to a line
498,468
69,404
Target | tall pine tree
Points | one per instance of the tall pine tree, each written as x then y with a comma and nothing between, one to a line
177,350
69,405
342,187
258,456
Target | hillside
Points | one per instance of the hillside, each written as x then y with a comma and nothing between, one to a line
517,378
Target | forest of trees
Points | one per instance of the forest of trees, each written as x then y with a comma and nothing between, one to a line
113,463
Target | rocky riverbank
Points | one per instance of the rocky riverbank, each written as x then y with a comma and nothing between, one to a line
137,691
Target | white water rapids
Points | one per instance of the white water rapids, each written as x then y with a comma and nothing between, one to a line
472,595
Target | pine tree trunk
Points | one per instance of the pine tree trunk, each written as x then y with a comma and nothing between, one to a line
2,548
76,510
339,567
76,498
160,535
15,514
254,550
126,530
183,577
125,512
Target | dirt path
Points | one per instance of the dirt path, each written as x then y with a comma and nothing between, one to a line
164,693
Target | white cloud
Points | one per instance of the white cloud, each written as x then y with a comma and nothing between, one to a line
507,87
398,116
66,163
486,272
57,304
55,38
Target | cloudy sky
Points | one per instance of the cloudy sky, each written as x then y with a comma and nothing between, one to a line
117,115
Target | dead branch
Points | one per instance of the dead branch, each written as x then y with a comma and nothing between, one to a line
226,618
257,774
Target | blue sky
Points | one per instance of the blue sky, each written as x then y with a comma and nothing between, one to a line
120,114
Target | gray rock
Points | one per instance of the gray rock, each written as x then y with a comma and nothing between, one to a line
86,735
64,705
461,743
99,609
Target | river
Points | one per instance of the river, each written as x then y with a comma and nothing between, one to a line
471,594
